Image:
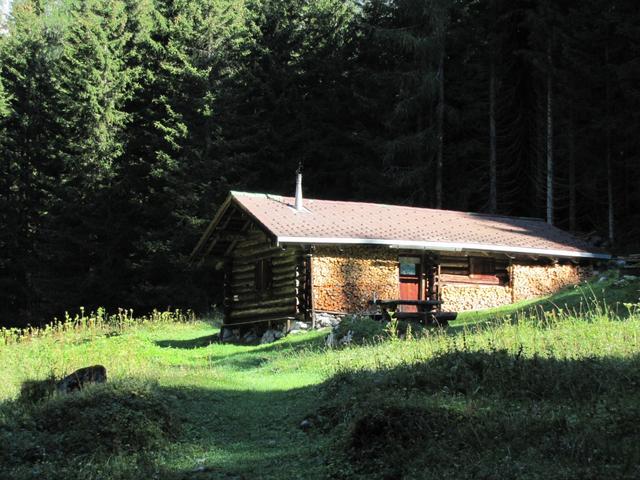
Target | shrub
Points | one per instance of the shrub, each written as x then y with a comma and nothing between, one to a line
383,440
366,330
101,419
363,329
33,391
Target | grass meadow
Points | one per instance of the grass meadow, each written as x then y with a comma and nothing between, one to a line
545,389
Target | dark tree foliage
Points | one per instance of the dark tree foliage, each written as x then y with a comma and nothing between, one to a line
124,124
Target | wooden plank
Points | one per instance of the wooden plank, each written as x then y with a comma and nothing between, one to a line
258,312
243,305
258,297
472,279
286,260
261,249
282,269
243,268
276,318
214,223
244,277
276,253
396,302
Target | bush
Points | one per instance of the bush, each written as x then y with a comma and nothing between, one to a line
383,441
362,329
33,391
101,419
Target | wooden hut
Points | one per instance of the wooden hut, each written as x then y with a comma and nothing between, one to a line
293,259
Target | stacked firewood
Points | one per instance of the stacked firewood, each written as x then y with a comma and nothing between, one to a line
530,281
460,298
345,280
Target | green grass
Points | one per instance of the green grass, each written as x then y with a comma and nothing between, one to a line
520,396
603,293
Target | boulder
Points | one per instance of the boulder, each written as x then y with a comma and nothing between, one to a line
82,377
269,336
250,336
227,335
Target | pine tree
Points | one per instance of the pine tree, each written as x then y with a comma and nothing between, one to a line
29,151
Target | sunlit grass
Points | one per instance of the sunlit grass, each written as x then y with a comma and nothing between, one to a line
242,404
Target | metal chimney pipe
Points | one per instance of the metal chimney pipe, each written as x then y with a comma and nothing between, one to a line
299,205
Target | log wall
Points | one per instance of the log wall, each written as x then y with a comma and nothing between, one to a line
244,302
345,279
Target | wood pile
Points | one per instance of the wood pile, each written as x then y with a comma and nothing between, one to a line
526,281
460,298
345,279
530,281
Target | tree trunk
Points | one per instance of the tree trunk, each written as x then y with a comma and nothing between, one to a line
572,173
440,127
493,189
610,212
549,146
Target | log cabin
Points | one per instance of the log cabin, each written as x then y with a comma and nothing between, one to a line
292,259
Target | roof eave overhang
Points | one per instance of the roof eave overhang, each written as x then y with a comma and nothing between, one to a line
444,246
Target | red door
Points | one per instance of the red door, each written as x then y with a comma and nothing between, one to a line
409,282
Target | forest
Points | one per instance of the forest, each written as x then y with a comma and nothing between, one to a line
125,123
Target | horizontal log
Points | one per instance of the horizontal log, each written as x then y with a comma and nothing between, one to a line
230,323
243,305
244,267
252,241
286,283
472,279
242,276
283,269
286,275
287,260
455,264
256,250
244,284
281,310
270,295
279,281
271,254
277,267
454,271
276,288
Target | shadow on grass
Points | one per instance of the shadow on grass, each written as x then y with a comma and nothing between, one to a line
290,342
451,417
191,343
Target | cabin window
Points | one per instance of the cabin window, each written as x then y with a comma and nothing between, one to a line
409,266
482,266
264,275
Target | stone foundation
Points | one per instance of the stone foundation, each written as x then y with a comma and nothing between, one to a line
323,320
345,279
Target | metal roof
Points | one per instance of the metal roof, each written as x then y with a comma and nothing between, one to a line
341,223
